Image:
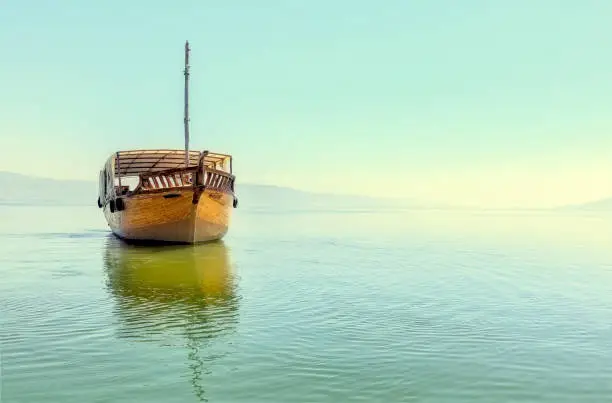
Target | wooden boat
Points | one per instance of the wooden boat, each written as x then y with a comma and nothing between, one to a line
168,195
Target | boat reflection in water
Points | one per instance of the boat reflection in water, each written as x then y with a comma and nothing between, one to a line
174,293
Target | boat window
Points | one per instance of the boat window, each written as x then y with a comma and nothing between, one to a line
222,165
128,184
101,185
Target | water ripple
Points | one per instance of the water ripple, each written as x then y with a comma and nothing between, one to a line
309,315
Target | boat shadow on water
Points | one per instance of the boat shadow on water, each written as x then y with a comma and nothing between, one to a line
178,295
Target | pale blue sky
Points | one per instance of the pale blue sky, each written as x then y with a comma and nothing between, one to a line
471,102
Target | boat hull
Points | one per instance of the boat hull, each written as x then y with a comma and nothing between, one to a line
172,217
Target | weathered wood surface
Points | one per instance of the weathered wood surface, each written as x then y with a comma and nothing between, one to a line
154,217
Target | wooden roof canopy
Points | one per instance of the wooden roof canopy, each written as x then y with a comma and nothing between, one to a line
135,162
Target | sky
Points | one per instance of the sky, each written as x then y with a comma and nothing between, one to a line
487,103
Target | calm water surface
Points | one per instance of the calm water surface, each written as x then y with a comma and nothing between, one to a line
309,307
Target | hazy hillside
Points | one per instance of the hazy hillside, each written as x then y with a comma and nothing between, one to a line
264,196
18,189
598,205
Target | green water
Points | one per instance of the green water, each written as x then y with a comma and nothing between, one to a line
309,307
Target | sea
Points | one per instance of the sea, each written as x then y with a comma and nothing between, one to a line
342,305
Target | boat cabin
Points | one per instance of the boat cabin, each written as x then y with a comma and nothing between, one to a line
132,172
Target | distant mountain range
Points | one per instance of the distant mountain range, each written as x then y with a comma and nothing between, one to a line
598,205
19,189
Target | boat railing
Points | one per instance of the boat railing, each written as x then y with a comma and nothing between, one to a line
183,178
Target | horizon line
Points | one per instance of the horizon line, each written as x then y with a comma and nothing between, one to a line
420,204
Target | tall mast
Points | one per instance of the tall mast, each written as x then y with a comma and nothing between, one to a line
186,116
